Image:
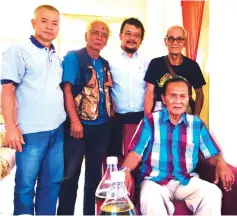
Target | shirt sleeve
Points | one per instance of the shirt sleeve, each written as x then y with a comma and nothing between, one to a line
208,145
13,65
71,68
141,138
196,78
149,77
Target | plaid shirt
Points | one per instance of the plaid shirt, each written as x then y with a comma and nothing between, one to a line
171,151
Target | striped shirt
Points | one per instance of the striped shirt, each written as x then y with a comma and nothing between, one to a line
171,151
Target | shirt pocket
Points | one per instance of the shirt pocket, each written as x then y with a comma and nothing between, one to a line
190,153
56,71
189,148
140,74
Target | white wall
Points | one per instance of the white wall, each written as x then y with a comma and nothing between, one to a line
161,14
15,15
223,76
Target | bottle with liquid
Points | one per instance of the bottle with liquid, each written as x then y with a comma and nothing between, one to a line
117,201
105,183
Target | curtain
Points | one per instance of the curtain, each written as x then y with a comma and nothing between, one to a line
192,12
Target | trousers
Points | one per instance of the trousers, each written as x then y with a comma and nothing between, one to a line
201,197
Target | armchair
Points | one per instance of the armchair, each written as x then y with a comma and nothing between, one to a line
206,172
7,161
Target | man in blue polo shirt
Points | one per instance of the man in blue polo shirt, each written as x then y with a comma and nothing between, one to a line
33,110
86,85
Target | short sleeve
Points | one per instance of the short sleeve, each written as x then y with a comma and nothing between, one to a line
208,145
141,138
71,68
149,77
12,65
196,77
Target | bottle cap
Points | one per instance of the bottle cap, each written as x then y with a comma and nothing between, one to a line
112,160
117,176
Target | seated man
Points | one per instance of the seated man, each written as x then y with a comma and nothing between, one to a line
167,143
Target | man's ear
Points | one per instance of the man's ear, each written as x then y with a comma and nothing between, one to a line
163,99
185,42
165,40
33,23
86,36
120,36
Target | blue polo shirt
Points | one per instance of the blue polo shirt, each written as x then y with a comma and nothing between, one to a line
37,74
71,70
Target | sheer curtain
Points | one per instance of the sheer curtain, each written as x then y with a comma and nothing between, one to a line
192,12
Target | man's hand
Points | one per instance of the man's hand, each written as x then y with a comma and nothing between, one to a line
76,130
128,180
14,138
225,174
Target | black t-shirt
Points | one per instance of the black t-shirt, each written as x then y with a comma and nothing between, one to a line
157,73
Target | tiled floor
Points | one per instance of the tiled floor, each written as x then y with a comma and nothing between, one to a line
7,188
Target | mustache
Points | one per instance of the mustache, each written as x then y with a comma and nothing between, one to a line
131,41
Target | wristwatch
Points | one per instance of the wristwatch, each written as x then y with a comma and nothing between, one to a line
123,168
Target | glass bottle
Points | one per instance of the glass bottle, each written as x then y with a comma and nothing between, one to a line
117,201
105,183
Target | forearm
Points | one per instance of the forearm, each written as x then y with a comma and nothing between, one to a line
70,107
132,160
214,160
8,103
199,103
148,103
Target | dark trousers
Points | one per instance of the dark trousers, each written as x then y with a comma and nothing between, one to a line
115,145
93,145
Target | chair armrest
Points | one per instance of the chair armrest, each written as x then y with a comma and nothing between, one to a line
230,197
7,161
207,172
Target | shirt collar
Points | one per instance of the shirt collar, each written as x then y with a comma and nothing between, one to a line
39,45
165,117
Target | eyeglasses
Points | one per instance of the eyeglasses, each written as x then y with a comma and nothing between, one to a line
129,34
172,39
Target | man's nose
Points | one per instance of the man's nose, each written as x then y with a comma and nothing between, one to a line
49,26
178,99
99,35
175,41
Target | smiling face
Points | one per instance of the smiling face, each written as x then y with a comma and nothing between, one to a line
176,99
46,25
97,36
131,38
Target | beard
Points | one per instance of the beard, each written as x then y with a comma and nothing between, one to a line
130,50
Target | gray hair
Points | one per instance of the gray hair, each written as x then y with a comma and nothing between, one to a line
49,7
177,26
89,25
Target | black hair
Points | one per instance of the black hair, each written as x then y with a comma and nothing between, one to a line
133,21
174,80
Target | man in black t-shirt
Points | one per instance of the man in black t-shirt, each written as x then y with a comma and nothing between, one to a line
158,72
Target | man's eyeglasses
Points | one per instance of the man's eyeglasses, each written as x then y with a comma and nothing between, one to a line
130,34
172,39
